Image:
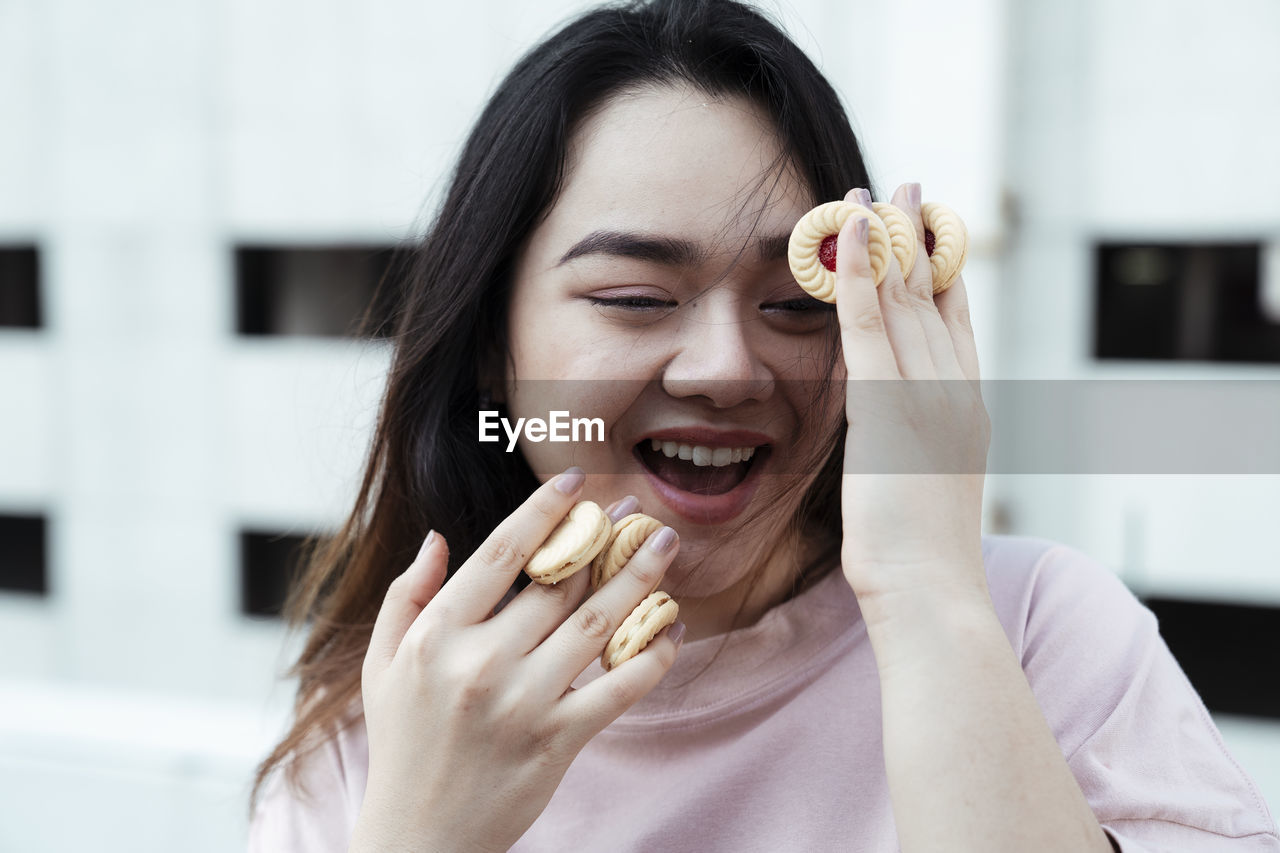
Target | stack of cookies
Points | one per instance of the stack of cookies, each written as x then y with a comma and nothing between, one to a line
586,537
812,250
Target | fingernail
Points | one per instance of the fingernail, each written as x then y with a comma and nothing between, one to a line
864,198
663,540
426,543
570,481
676,632
621,509
913,195
860,230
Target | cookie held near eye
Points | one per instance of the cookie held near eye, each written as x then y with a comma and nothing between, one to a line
638,630
627,537
946,241
811,251
572,545
902,234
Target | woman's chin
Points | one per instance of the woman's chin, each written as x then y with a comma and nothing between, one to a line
704,569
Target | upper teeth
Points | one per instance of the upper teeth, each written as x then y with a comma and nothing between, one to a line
701,455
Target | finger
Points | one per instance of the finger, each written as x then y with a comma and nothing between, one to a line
919,284
907,199
621,508
583,636
539,608
953,306
906,333
480,582
406,597
585,712
863,336
904,305
858,195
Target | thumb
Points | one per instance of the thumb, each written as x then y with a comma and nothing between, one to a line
407,595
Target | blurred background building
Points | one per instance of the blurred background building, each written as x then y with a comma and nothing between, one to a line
197,196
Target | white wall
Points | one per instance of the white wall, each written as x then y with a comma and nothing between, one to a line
1130,121
147,138
1139,120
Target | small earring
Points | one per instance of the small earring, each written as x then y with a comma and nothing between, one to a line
486,400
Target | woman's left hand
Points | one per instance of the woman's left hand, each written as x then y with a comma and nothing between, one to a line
916,452
915,460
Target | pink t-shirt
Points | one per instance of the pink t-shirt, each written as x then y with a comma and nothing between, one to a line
771,740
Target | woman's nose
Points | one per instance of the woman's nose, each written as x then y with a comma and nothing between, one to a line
716,357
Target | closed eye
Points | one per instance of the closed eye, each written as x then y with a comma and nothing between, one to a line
634,303
802,305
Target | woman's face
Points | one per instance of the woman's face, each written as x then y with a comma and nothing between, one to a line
657,297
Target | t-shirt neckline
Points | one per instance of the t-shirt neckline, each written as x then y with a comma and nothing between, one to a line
727,674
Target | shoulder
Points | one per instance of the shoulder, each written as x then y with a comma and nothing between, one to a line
1133,729
1046,592
1081,636
1043,565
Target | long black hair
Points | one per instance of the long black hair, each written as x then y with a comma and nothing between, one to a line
425,468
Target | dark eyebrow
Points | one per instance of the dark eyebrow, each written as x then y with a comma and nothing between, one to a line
668,251
773,248
659,250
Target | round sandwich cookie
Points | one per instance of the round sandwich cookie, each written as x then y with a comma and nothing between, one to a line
627,537
946,242
638,630
811,251
572,545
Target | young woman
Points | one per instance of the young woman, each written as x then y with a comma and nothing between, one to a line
861,669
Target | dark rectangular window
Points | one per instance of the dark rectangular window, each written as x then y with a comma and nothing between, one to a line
1180,301
20,287
315,290
269,564
24,554
1229,651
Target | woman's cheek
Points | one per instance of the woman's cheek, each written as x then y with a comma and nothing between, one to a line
563,422
547,459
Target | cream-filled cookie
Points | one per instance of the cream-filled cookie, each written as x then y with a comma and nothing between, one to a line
638,630
573,544
627,537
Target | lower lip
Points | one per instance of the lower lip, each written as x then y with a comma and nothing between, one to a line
705,509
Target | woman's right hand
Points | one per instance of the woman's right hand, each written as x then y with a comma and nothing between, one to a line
471,719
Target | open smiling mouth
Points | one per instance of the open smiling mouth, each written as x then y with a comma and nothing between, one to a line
698,469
